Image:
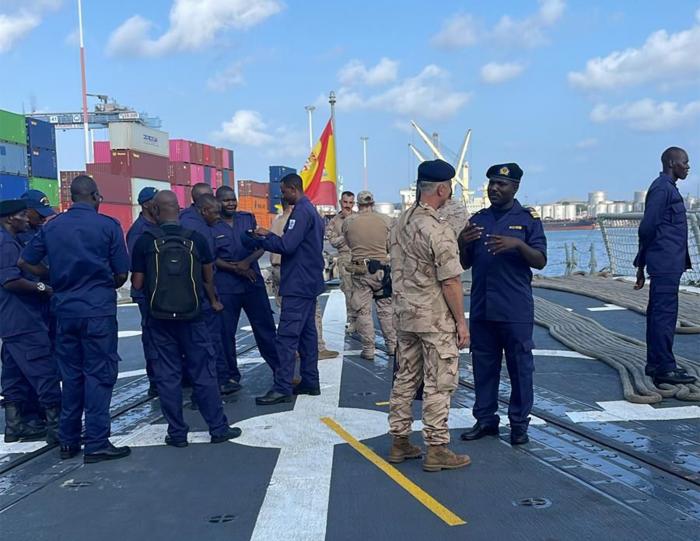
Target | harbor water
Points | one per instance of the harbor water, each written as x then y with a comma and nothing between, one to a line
582,240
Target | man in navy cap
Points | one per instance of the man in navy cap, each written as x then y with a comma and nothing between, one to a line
85,278
663,251
500,245
301,282
145,222
28,369
239,282
38,211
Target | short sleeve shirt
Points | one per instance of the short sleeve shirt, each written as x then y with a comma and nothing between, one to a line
423,254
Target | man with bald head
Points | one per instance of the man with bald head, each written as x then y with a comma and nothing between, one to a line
663,251
180,334
89,262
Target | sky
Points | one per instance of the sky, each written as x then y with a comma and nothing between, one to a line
584,95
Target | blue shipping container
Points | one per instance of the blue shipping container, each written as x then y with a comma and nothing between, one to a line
12,186
275,197
279,171
13,159
42,163
40,134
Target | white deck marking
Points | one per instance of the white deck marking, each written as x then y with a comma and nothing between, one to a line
127,305
621,410
606,308
131,373
128,334
549,353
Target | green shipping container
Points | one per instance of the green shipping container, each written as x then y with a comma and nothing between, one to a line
12,128
47,185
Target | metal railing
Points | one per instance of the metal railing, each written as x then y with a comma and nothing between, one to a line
619,233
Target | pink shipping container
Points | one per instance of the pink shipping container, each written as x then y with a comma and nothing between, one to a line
197,153
253,188
215,179
208,154
197,173
179,192
102,152
219,178
180,150
180,173
225,161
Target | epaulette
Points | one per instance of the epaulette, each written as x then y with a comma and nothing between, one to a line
532,212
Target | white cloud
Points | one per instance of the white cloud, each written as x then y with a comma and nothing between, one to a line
20,18
194,24
663,56
464,30
590,142
458,32
227,78
355,72
248,128
648,115
494,73
428,94
73,38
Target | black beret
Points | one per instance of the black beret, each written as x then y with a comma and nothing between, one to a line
505,171
9,207
435,171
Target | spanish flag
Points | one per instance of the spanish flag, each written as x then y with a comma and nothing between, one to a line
319,173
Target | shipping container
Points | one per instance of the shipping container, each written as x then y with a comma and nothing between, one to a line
197,173
121,213
139,164
138,184
13,128
277,172
197,153
275,195
115,189
133,136
215,179
49,186
228,178
230,160
207,174
219,178
13,159
12,186
65,180
207,154
181,150
253,204
42,163
180,173
216,157
93,168
251,187
102,152
182,198
40,133
225,158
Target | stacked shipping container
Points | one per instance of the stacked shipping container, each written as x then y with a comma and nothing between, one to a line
277,173
254,197
43,168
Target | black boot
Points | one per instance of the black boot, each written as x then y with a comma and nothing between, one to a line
53,414
16,430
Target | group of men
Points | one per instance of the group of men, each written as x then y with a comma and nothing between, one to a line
194,270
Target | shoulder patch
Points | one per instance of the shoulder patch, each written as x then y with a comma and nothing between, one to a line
532,212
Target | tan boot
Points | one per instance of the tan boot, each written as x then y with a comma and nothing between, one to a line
440,457
327,354
401,449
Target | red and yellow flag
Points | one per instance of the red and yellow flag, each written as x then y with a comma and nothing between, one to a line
319,173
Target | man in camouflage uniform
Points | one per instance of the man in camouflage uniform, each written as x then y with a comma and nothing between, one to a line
277,227
367,235
456,215
334,235
429,310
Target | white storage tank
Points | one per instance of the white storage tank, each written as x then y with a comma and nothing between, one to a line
570,211
547,212
595,197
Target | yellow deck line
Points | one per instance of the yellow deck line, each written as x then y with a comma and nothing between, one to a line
404,482
381,403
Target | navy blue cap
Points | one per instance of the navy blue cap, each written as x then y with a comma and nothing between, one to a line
10,207
38,201
505,171
146,194
435,171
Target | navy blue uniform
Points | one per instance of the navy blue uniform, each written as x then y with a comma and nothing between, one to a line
501,315
139,227
237,292
301,282
170,341
663,250
86,251
191,218
28,368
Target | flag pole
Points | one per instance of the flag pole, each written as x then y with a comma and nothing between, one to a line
84,82
338,180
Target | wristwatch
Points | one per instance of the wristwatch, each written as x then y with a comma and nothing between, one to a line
41,286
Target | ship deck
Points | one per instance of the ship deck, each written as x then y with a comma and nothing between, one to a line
596,467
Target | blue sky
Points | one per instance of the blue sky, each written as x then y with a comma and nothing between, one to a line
583,95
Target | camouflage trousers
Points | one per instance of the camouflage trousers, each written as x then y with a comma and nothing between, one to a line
275,279
346,288
431,358
363,287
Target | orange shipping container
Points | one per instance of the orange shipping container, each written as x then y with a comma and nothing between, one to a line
255,205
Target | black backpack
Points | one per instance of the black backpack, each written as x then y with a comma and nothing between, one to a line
174,276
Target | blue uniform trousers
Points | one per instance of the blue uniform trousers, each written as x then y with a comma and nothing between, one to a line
214,323
257,309
29,371
296,332
171,341
489,339
145,337
31,409
662,313
86,352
